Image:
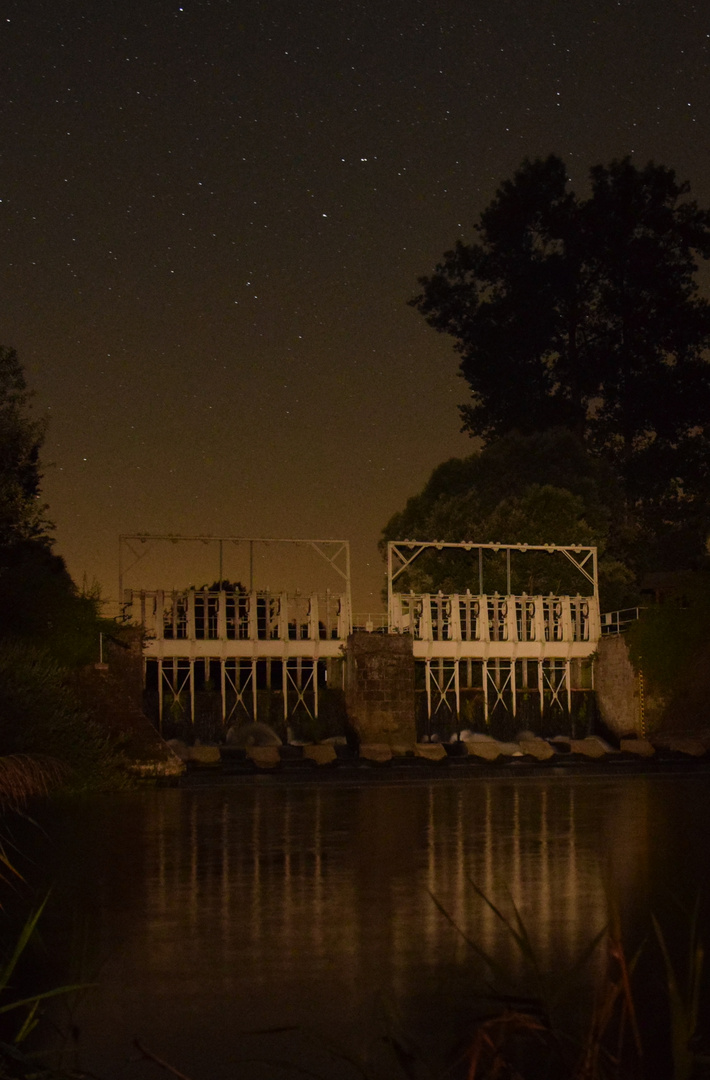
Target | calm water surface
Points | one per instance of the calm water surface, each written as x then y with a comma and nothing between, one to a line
206,914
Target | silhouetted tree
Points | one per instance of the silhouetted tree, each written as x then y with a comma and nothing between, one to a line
22,514
39,602
585,313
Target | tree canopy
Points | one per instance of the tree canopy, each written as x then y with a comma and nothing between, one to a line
39,602
536,489
584,312
22,514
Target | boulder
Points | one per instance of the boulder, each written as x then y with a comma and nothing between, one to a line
641,747
489,750
682,745
378,752
204,755
252,734
430,751
321,754
591,747
264,757
536,747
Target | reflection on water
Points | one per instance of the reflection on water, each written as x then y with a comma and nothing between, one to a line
225,910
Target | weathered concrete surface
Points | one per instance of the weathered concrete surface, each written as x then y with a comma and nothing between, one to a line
617,686
623,699
379,688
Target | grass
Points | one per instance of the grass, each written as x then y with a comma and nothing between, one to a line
527,1041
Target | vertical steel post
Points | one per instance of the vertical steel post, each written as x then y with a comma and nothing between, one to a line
427,683
223,687
480,571
192,691
485,691
253,686
160,695
457,691
285,688
390,613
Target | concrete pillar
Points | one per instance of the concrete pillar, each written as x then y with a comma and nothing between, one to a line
379,687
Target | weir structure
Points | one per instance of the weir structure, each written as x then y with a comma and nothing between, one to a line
488,644
513,635
261,648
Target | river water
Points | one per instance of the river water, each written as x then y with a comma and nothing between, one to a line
208,914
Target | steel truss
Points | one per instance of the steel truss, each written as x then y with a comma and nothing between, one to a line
298,682
501,683
336,553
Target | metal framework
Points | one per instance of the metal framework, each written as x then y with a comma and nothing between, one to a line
281,640
499,644
335,552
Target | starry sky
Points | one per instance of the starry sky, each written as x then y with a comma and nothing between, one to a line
213,213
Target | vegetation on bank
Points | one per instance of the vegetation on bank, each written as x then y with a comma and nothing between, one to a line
48,628
669,645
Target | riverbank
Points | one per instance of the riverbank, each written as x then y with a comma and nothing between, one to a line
483,759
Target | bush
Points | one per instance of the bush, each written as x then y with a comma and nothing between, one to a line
40,716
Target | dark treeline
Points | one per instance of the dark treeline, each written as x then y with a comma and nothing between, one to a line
48,628
583,339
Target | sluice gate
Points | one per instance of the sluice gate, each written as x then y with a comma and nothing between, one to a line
257,641
263,655
503,650
512,635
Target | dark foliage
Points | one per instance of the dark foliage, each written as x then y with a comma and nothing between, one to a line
536,489
585,313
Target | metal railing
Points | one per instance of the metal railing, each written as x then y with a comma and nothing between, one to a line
618,622
371,623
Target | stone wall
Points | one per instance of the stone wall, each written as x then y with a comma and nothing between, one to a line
379,688
617,686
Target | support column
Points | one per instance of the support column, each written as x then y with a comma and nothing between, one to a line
485,689
427,679
223,688
160,695
190,628
457,691
285,688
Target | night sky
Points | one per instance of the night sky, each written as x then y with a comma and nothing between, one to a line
213,215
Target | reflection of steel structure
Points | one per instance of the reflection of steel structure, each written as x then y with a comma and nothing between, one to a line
500,644
254,639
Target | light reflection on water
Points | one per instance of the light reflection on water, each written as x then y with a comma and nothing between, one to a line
227,909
